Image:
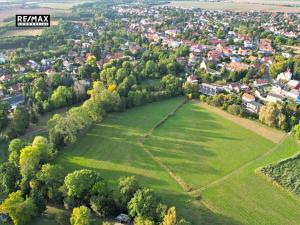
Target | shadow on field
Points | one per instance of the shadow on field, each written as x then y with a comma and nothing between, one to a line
194,211
186,206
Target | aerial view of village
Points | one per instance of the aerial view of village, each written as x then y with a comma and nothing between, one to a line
149,112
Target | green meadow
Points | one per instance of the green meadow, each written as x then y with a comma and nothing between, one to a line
219,159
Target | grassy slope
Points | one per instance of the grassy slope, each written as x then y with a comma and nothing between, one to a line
200,146
252,199
244,198
112,149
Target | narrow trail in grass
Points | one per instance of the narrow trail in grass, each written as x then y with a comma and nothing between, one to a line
220,180
178,180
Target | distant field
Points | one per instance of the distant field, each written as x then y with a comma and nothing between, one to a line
26,32
12,12
236,5
60,5
215,156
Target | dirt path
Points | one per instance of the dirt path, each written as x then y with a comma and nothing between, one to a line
178,180
269,133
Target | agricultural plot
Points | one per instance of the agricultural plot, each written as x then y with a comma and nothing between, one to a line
241,5
286,173
216,157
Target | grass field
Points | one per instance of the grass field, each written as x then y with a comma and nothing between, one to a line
215,156
60,5
242,5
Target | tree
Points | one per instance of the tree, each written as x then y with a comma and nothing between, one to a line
29,163
141,221
127,188
91,60
171,84
102,205
44,147
81,216
80,183
9,177
296,131
4,112
52,178
235,109
19,122
14,148
62,96
62,218
96,51
143,204
170,218
21,211
16,145
271,114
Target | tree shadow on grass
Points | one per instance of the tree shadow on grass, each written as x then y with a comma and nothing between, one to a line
197,213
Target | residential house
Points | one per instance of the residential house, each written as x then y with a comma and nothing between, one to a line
272,97
252,107
285,76
134,48
260,83
19,68
208,70
248,97
294,84
265,46
236,66
192,79
209,89
14,101
214,55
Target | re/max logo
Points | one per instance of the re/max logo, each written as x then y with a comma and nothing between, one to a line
33,20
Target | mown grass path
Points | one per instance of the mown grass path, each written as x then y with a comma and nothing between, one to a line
178,179
232,173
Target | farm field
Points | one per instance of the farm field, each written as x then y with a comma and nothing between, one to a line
26,32
60,5
237,5
215,156
13,11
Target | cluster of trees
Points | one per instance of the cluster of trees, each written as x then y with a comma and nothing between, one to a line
228,102
15,124
95,196
284,116
48,92
282,64
30,182
63,130
126,77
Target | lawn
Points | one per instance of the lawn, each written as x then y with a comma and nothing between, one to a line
201,147
215,156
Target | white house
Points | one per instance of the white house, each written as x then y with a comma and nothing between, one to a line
287,75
